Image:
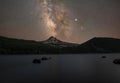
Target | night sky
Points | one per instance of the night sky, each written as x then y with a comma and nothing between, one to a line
68,20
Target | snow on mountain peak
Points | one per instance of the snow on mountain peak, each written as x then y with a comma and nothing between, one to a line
52,40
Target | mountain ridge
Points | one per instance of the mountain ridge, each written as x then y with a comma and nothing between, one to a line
53,45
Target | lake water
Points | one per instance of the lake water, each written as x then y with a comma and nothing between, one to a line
78,68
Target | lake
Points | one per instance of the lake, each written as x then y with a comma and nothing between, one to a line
74,68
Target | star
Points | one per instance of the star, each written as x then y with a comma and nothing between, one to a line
76,19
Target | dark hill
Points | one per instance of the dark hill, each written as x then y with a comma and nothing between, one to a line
53,45
100,44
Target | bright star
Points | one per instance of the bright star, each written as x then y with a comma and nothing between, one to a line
76,19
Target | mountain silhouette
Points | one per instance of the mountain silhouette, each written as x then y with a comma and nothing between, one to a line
101,44
53,45
52,40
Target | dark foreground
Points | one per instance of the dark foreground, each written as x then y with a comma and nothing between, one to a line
83,68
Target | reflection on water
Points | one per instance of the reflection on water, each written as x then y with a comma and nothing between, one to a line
82,68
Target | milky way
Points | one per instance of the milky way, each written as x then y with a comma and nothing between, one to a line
69,20
56,19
